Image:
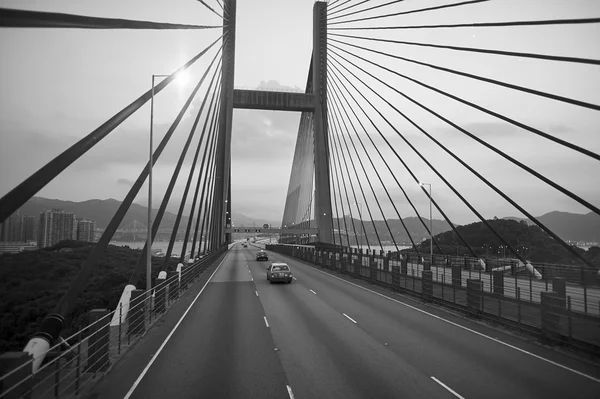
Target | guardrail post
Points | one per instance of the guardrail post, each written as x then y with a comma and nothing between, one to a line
474,297
427,265
404,265
373,270
135,315
498,280
395,277
552,308
456,276
427,285
159,293
9,361
97,358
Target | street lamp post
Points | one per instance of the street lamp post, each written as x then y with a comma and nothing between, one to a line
359,204
430,224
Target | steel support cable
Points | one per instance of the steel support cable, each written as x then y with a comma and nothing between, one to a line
205,208
207,165
219,3
463,199
337,111
337,104
347,8
337,214
332,6
203,136
489,112
335,169
558,187
489,184
339,89
14,18
551,96
575,21
406,166
337,135
30,186
166,198
337,155
587,61
210,216
371,8
463,3
210,8
332,3
339,192
204,164
66,303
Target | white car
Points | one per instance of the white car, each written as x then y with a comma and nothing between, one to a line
279,272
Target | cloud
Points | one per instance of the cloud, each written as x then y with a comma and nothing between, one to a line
125,182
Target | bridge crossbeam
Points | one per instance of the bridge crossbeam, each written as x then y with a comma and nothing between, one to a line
273,100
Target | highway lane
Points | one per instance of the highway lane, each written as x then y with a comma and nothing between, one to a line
222,349
310,327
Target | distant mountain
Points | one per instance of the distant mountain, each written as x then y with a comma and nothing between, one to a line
570,226
102,211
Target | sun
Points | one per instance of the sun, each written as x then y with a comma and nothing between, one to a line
182,79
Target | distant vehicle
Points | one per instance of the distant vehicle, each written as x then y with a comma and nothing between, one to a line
279,272
245,245
262,255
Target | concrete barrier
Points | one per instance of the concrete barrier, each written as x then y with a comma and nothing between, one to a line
136,320
551,311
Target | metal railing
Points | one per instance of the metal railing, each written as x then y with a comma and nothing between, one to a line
278,90
71,364
551,303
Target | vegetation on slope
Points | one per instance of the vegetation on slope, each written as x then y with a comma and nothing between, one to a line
32,283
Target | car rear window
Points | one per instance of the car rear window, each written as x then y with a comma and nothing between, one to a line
280,268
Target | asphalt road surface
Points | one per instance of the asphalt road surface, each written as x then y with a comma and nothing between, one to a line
322,337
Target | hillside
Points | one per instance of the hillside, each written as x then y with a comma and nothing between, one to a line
413,225
570,226
540,247
31,283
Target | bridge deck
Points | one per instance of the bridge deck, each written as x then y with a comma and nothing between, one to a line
224,348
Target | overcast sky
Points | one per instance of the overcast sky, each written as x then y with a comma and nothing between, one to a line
59,85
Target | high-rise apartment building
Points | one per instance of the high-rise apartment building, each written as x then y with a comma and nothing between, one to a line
17,228
55,225
85,230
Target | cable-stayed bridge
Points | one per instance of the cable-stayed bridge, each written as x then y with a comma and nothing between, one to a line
361,318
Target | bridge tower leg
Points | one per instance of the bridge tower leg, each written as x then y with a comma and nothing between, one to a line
221,197
323,215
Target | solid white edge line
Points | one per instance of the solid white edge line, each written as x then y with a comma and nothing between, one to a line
313,292
289,389
350,318
468,329
266,322
447,387
256,292
162,346
294,278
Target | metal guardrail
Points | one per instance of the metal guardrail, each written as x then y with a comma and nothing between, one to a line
78,359
555,309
